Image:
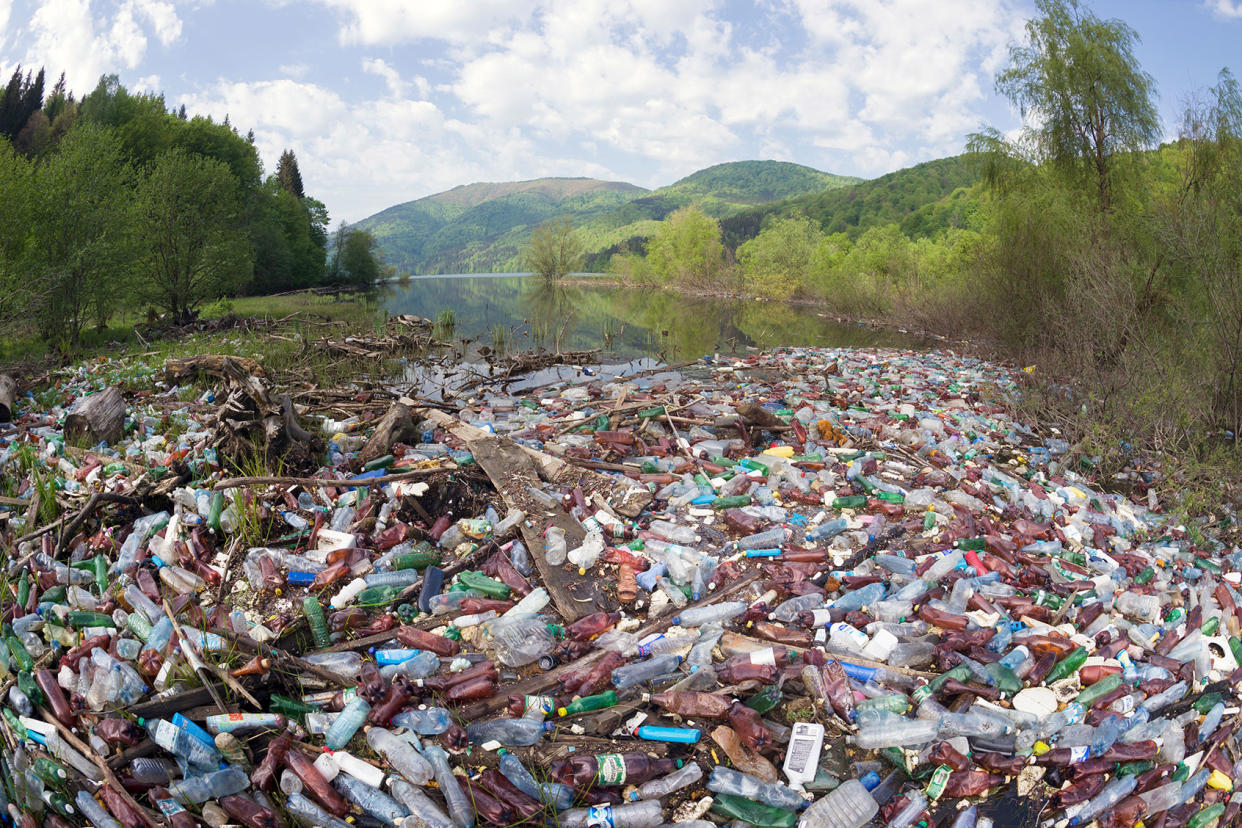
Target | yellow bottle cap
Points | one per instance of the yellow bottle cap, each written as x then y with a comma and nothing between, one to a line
560,711
1219,781
1040,748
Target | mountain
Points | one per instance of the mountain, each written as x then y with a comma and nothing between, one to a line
922,200
483,227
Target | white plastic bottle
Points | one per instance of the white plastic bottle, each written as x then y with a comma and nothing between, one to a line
848,806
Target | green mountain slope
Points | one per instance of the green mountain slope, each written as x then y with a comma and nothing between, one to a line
483,227
922,200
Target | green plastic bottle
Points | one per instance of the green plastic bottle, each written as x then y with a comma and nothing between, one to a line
1067,666
315,620
1006,680
27,684
731,502
77,619
415,560
215,510
756,813
766,699
977,544
289,707
481,583
378,596
891,702
891,497
1206,702
1102,687
1207,816
851,502
588,703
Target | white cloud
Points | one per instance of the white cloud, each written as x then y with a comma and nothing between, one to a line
396,85
88,39
294,70
6,6
385,22
1225,8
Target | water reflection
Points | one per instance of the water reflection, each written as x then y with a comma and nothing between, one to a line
622,322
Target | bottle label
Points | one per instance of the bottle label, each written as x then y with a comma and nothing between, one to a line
1079,754
611,769
544,704
939,781
1124,704
170,807
766,656
821,617
600,816
645,646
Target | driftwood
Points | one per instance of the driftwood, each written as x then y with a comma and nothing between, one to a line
216,365
327,483
99,417
396,426
8,392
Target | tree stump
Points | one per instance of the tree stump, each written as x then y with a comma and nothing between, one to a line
8,392
396,426
100,417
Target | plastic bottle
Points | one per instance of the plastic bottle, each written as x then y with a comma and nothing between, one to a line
848,806
711,614
424,813
429,722
1115,791
729,781
554,793
401,756
665,785
371,800
181,744
907,815
346,725
300,807
195,789
554,551
459,806
509,732
631,675
645,814
900,733
585,555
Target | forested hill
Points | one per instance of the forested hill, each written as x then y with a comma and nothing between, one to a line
483,227
922,200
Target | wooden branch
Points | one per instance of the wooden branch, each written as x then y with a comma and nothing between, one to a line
322,483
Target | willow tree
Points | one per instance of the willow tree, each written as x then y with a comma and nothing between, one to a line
1086,101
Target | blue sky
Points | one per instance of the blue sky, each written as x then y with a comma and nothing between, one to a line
390,100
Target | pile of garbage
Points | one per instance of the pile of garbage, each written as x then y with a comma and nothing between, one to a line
826,588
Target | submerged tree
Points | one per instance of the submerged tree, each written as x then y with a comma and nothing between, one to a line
554,249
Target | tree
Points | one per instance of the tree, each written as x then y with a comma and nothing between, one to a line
554,249
193,245
359,262
17,188
288,175
19,100
781,259
1077,80
686,248
82,232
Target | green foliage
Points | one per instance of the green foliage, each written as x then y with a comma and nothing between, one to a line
193,246
782,258
288,174
554,249
82,233
686,250
19,100
354,265
923,200
1078,78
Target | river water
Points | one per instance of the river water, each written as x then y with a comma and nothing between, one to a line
530,314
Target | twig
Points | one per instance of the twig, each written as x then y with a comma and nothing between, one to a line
95,499
322,483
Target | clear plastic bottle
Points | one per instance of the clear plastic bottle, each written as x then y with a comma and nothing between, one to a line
181,744
713,614
899,733
674,532
848,806
509,732
458,804
1115,791
631,675
95,813
425,664
787,611
554,550
400,755
195,789
371,800
683,777
522,642
424,813
429,722
729,781
311,815
645,814
346,725
907,815
554,793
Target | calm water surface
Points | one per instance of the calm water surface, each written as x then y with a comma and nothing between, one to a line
624,323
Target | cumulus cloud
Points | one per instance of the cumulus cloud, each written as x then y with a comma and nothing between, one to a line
396,84
88,39
385,22
1225,8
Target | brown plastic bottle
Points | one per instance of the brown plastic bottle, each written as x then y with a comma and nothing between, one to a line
473,605
485,805
943,620
589,626
473,690
400,692
484,669
1132,751
1079,791
421,640
750,729
745,671
316,786
782,635
55,696
248,812
971,783
742,523
494,782
611,769
943,753
120,808
692,703
500,567
120,732
371,685
263,777
592,680
627,584
1000,763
